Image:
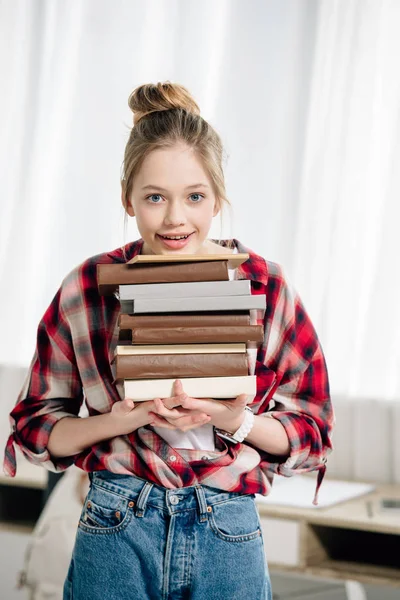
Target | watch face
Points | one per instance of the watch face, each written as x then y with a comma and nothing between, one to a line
227,436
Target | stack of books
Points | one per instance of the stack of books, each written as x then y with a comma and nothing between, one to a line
183,318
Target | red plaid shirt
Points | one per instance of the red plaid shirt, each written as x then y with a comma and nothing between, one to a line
76,340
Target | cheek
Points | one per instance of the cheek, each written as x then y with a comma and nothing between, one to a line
206,219
148,218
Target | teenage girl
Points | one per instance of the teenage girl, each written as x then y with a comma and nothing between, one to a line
170,513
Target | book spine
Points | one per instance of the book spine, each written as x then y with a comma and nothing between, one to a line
109,277
164,305
234,319
185,289
148,349
197,335
204,387
166,366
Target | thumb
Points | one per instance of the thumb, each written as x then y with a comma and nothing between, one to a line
127,405
241,400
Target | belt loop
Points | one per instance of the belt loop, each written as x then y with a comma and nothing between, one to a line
142,499
201,498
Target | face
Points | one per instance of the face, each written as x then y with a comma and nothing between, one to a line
172,196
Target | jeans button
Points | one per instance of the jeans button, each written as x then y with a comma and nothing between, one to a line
174,500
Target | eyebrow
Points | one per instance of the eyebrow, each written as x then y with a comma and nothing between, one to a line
160,189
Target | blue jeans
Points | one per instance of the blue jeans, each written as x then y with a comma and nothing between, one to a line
139,541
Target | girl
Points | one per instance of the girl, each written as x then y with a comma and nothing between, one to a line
170,512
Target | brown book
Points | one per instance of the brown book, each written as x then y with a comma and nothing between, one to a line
238,319
196,335
166,366
109,277
234,260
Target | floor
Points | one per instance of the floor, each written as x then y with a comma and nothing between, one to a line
297,587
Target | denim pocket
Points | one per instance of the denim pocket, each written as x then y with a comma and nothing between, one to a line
236,520
105,511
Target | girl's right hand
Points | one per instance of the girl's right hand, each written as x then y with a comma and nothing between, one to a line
128,416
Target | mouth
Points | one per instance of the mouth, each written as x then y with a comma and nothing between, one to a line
182,236
175,242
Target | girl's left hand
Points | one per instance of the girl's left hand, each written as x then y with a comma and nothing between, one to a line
224,414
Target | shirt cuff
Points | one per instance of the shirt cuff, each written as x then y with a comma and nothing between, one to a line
300,459
40,454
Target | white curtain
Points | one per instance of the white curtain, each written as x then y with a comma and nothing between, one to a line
305,95
347,243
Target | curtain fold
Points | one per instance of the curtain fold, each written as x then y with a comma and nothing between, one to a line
347,243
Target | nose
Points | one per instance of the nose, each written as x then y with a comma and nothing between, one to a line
175,215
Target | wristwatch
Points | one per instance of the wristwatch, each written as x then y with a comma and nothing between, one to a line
243,430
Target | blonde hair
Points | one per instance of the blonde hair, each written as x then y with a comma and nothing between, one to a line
165,114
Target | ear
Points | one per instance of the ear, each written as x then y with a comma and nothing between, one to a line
217,207
126,203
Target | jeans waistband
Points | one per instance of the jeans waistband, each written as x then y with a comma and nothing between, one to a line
145,493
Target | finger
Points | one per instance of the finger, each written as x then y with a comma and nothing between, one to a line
242,400
157,421
126,405
191,421
161,409
238,402
196,403
178,395
171,402
178,387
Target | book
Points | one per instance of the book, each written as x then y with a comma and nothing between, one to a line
205,303
195,335
109,277
165,366
133,350
198,387
299,491
240,287
185,320
234,260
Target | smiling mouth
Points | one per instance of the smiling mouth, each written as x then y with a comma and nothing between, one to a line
175,237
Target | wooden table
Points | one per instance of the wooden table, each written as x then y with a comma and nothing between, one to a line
352,540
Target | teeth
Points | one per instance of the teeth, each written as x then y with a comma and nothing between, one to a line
180,237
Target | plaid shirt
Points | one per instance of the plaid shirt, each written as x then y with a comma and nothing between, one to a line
76,340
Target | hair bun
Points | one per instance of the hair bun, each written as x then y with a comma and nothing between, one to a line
151,97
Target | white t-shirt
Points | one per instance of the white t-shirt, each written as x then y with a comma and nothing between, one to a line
201,438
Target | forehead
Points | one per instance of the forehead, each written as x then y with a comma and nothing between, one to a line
167,166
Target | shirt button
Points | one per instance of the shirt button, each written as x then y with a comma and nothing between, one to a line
174,500
204,458
172,458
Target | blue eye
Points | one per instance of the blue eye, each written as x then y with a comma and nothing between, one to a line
152,196
200,196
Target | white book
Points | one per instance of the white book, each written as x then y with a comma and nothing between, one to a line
205,303
187,289
196,387
299,491
130,350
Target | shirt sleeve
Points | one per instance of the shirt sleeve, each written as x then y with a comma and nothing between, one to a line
300,395
52,391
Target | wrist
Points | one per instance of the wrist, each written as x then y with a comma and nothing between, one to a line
242,431
234,424
126,424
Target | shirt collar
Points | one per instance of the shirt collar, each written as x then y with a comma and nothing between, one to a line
255,268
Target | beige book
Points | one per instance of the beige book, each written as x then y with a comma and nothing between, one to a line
180,349
196,387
